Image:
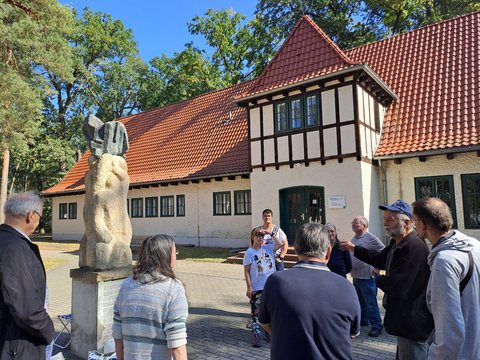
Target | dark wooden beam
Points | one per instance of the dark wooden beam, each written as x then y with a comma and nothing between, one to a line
207,180
340,160
254,102
137,187
154,185
231,178
245,176
195,181
397,161
145,186
184,182
175,183
219,179
450,156
269,97
164,184
242,104
303,89
422,158
285,93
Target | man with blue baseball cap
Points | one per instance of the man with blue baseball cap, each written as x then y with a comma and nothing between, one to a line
407,272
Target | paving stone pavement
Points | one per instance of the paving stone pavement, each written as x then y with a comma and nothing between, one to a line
218,312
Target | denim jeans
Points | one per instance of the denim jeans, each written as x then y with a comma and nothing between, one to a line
411,350
279,265
367,295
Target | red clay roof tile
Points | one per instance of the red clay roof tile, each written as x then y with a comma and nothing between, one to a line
307,53
435,72
184,140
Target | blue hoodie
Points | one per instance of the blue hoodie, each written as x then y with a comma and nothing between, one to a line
457,318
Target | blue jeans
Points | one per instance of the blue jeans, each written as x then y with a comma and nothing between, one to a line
279,265
411,350
367,295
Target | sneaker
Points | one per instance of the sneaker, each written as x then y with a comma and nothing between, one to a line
267,337
256,340
375,332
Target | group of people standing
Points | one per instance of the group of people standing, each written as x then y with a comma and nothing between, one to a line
431,297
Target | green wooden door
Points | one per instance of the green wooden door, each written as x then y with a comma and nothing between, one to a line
298,206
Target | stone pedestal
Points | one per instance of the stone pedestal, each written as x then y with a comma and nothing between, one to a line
93,296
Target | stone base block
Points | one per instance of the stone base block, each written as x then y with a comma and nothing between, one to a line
93,296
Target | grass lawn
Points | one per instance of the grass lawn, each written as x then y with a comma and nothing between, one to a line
51,263
205,254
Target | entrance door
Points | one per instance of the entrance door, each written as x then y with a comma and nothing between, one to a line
298,206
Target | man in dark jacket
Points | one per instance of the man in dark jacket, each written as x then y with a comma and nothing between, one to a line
25,327
407,272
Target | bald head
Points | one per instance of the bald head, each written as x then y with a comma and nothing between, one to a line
433,212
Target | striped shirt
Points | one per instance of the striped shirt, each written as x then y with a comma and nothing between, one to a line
150,318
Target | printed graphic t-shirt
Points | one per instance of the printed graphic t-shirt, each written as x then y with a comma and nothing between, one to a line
262,265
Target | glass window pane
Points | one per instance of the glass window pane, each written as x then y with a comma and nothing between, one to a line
281,116
296,114
312,117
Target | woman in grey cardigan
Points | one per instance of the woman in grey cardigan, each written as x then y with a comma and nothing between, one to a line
151,308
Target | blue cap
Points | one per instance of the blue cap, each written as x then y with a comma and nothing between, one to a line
398,206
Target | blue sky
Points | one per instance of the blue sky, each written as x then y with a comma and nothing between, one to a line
160,26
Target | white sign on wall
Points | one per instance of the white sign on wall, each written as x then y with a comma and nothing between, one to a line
336,202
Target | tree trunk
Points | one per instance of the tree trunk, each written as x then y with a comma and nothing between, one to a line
4,186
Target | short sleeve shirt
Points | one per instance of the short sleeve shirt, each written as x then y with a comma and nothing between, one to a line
262,265
281,235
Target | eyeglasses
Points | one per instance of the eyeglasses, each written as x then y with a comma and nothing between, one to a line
260,235
40,216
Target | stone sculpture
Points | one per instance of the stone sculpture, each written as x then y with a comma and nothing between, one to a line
108,231
105,138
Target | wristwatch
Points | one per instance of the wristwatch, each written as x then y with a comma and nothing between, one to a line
281,258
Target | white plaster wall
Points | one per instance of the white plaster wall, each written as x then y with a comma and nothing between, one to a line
68,229
256,152
401,183
269,151
282,147
372,193
313,143
345,98
199,226
297,147
348,139
268,120
330,142
360,101
255,123
356,180
328,107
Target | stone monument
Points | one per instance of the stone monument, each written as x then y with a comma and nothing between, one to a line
105,257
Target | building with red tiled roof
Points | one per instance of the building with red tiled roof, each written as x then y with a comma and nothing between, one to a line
321,135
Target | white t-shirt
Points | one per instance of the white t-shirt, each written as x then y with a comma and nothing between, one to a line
281,235
262,265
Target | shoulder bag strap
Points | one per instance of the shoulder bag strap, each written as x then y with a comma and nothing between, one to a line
469,273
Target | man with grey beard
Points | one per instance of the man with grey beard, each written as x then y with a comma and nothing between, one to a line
407,272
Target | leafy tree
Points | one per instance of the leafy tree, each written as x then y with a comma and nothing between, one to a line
353,23
239,52
32,40
117,89
238,55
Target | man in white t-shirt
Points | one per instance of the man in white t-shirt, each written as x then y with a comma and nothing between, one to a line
268,225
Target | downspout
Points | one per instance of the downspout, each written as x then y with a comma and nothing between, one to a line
384,182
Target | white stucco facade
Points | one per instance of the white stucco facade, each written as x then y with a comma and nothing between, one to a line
356,180
401,179
199,226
